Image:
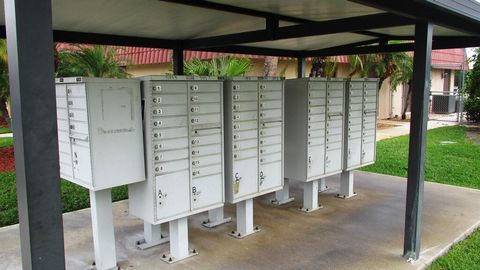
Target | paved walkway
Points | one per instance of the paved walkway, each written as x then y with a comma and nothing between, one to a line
6,135
365,232
394,128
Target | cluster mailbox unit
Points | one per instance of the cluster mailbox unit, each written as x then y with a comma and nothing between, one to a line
253,143
314,120
183,124
99,134
360,126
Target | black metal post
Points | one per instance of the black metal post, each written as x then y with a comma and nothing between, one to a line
177,59
300,67
418,139
32,88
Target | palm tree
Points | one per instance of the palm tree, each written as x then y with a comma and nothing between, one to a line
270,66
218,66
91,61
324,66
4,85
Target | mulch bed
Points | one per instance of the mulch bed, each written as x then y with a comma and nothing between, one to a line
7,160
3,122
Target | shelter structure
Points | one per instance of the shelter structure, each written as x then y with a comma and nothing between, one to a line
280,28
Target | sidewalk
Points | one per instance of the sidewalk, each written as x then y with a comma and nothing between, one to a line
6,135
394,128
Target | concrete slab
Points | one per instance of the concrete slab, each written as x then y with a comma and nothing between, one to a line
395,128
365,232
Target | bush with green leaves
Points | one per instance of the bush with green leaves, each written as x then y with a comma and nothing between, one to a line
472,88
472,109
220,66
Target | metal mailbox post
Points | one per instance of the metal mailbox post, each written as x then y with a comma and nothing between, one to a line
360,130
99,133
314,115
183,127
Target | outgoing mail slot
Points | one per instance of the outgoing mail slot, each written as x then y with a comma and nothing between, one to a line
317,102
270,158
275,114
170,166
245,144
271,104
245,96
247,134
316,110
245,125
170,144
169,99
245,106
164,122
204,171
203,161
244,116
205,150
270,140
169,110
77,103
163,156
270,131
270,95
317,93
168,133
245,154
265,150
205,108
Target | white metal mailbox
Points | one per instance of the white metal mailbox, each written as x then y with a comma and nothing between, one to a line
360,122
100,131
314,123
100,141
360,126
184,148
253,137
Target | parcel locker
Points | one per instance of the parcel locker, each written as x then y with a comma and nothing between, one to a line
360,124
253,136
314,115
100,131
183,127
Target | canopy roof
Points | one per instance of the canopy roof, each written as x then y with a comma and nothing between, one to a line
275,27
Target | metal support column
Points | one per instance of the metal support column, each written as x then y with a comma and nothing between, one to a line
103,229
245,225
153,236
178,241
177,59
282,196
418,137
32,88
346,185
322,185
216,218
300,67
310,196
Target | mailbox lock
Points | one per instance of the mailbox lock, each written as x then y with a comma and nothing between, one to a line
235,136
194,98
195,173
236,126
69,91
235,117
194,120
236,97
236,87
194,109
194,87
70,114
72,126
195,141
236,107
157,88
70,102
195,152
262,96
235,146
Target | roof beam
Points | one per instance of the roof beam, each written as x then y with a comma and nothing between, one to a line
255,50
237,10
303,30
422,10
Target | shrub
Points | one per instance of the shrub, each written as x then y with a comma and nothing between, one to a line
472,109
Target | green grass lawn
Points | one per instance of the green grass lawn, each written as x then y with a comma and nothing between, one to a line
454,164
5,130
5,142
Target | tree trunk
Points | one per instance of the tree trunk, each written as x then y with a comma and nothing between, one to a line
407,100
270,66
318,66
4,111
